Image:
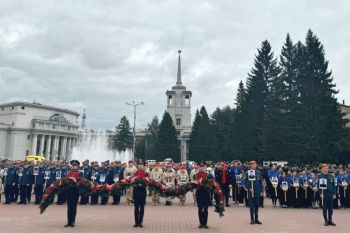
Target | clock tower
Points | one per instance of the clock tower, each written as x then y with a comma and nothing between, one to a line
179,108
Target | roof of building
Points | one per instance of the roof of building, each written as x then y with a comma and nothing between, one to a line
38,105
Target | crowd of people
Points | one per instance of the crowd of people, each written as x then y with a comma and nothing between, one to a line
287,187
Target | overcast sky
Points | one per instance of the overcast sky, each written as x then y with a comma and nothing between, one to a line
99,54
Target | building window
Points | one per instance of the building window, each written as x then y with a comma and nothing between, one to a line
33,125
187,100
28,137
178,121
13,107
178,133
170,99
27,153
54,126
13,123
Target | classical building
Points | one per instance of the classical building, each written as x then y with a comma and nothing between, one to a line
36,129
179,108
346,110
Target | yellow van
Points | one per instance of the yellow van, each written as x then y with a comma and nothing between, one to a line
34,158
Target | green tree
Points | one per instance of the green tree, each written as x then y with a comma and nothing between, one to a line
167,144
151,138
123,139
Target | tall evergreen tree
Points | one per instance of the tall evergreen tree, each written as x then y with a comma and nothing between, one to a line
123,139
221,121
254,107
167,145
151,138
202,139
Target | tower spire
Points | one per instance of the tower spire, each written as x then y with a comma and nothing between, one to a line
178,82
83,126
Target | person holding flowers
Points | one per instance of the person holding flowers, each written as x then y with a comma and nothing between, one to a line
139,184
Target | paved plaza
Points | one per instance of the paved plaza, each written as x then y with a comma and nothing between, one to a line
165,219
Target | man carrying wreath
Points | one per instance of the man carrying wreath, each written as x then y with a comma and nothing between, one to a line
72,194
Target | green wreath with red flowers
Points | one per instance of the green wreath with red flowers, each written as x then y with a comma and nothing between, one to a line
87,187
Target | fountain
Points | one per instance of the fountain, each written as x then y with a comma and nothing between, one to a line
94,146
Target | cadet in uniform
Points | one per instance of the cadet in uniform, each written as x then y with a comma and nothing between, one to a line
169,180
62,197
118,174
25,183
139,195
157,175
223,177
255,190
87,172
39,184
192,175
11,179
128,173
202,196
326,188
72,194
182,178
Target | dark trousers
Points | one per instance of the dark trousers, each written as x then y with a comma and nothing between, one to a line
203,214
139,204
72,202
254,206
104,200
234,192
226,192
282,196
240,195
38,190
273,195
9,193
343,198
327,209
23,191
116,199
62,197
16,193
94,199
84,199
29,193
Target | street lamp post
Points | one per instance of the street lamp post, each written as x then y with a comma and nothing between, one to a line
134,104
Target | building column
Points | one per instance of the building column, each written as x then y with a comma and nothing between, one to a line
42,141
34,144
185,151
55,148
48,148
69,142
63,148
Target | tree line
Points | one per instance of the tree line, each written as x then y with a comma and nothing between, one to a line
285,110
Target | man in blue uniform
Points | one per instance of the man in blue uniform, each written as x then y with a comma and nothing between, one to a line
103,179
87,172
25,182
223,177
39,182
118,174
62,197
11,179
254,185
326,188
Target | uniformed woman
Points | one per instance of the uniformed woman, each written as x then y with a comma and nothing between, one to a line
139,195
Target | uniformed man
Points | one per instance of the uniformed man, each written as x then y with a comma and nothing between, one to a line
202,195
223,177
39,182
128,173
25,182
118,174
254,187
182,179
63,171
103,179
139,195
235,171
273,176
87,172
326,188
72,194
169,177
157,175
94,178
11,179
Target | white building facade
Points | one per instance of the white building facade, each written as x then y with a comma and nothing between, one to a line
179,108
36,129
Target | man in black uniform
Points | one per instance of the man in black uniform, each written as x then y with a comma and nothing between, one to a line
139,195
202,196
72,194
